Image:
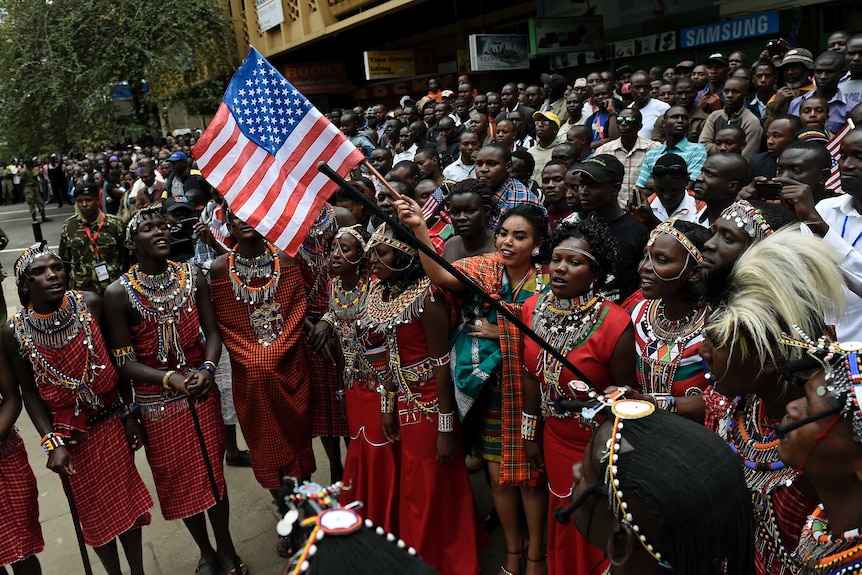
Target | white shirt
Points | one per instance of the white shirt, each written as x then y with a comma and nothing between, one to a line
688,203
458,170
845,237
650,113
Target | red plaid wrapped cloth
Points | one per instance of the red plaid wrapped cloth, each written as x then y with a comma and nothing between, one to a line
487,272
20,532
106,474
106,478
172,446
271,389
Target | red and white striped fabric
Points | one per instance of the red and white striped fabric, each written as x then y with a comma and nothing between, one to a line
262,149
834,146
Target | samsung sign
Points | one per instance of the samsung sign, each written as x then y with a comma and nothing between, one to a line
737,29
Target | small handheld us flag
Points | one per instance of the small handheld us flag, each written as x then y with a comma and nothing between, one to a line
262,149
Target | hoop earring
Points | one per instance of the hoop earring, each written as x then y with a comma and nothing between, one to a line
535,252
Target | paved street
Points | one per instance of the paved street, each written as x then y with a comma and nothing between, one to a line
168,548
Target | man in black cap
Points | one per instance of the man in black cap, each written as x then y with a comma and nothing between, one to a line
600,180
91,243
711,98
555,102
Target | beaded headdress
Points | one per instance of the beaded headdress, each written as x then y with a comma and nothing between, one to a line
745,216
842,362
623,410
28,256
666,227
138,218
383,235
352,231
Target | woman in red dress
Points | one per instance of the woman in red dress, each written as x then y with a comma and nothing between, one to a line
597,337
418,405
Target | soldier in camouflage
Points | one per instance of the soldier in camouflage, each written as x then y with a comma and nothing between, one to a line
91,243
32,193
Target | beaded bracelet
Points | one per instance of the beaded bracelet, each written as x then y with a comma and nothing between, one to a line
446,422
131,410
387,404
166,379
665,402
440,361
52,441
528,426
208,368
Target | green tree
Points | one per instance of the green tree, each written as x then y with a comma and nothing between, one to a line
63,58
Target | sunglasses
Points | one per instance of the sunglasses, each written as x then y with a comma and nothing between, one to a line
676,171
626,120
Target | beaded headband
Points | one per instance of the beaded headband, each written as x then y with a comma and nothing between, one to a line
353,231
138,218
626,409
380,237
584,253
666,227
842,362
28,256
749,218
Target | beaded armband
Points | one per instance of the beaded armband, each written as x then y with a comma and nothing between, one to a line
124,354
446,422
440,361
665,402
133,410
166,379
52,441
528,426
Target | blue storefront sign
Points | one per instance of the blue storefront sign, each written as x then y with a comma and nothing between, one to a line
730,30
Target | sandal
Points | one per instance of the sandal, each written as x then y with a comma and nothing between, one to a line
239,568
207,566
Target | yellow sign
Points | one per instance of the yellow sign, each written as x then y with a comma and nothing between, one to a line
389,64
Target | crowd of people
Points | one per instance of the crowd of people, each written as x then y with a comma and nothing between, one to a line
632,300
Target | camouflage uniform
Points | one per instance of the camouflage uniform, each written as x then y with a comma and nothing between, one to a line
32,193
79,253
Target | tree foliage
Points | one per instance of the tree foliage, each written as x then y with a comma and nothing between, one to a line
62,58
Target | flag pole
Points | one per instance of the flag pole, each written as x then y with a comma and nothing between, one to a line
413,242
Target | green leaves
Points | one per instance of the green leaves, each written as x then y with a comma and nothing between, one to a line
62,57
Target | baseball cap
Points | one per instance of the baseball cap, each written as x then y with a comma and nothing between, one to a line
87,189
547,116
553,80
178,157
798,56
602,168
684,65
177,203
717,58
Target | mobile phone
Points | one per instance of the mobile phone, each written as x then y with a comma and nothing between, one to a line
768,190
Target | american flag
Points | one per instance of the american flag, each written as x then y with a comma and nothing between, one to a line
262,149
834,146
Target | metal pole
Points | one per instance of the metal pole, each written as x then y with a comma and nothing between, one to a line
411,240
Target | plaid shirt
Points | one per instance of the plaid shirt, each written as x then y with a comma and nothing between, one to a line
511,194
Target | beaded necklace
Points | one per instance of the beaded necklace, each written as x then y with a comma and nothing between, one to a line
764,471
161,299
263,313
314,251
821,554
564,323
345,305
385,317
31,333
665,342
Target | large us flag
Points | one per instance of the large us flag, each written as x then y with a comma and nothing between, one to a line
262,149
